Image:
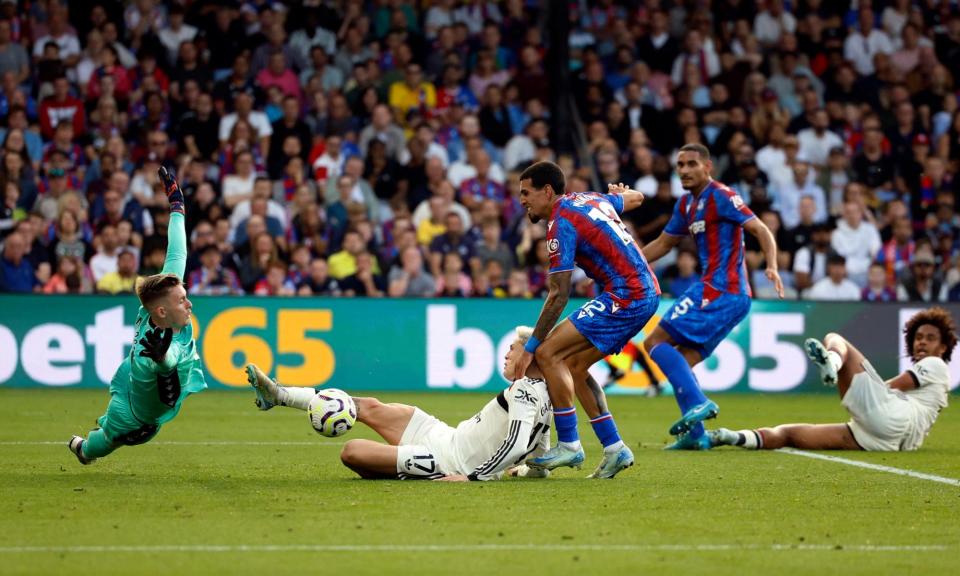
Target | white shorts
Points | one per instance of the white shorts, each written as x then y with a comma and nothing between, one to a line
879,417
424,450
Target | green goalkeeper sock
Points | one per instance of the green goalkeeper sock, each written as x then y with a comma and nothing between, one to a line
97,445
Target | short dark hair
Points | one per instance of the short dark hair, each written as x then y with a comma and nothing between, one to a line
699,149
836,259
939,319
155,287
543,173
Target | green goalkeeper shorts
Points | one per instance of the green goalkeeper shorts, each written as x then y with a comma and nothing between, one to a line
120,425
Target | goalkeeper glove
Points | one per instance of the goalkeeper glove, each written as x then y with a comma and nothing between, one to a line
174,193
155,344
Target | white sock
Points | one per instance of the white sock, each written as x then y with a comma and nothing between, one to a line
613,448
835,360
296,397
575,445
749,439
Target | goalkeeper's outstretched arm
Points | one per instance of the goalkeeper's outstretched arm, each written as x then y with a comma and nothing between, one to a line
176,260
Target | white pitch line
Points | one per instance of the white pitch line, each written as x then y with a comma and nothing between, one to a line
179,443
869,466
475,548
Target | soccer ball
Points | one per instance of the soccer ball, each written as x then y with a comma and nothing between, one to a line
332,412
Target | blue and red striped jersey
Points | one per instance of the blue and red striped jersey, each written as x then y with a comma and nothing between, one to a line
585,229
715,219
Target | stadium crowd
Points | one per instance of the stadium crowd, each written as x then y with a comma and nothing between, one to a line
350,148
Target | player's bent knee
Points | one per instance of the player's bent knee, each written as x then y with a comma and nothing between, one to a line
352,453
659,336
545,355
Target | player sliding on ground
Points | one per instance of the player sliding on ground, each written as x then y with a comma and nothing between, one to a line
884,416
512,426
163,366
584,230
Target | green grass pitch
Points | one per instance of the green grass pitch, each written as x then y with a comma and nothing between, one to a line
223,476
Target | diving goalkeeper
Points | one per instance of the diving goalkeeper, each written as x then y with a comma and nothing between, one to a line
163,366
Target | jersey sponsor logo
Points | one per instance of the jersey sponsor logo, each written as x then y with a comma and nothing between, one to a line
524,397
553,246
590,308
698,227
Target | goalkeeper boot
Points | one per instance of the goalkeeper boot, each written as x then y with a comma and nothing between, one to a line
76,446
268,391
687,441
698,413
556,457
818,354
612,463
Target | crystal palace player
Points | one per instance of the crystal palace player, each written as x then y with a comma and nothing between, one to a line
163,366
703,315
884,416
585,229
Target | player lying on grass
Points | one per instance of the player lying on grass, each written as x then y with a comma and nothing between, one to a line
884,416
511,427
163,366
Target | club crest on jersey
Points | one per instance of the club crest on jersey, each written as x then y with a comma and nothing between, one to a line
698,227
702,203
553,246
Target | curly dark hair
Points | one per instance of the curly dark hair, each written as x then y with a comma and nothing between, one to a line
938,318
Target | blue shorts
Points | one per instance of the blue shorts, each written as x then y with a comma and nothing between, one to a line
702,324
609,325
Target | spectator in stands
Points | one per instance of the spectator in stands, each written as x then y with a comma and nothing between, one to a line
789,193
16,273
366,281
383,128
877,288
896,254
453,239
810,263
319,282
835,285
121,280
857,241
409,278
922,284
865,42
275,282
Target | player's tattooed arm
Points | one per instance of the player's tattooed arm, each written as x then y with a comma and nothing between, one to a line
558,284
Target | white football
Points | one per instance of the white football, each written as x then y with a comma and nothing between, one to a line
332,412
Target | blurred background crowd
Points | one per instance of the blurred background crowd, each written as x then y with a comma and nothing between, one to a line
351,148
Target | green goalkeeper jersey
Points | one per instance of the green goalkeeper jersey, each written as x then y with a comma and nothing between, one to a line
156,390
